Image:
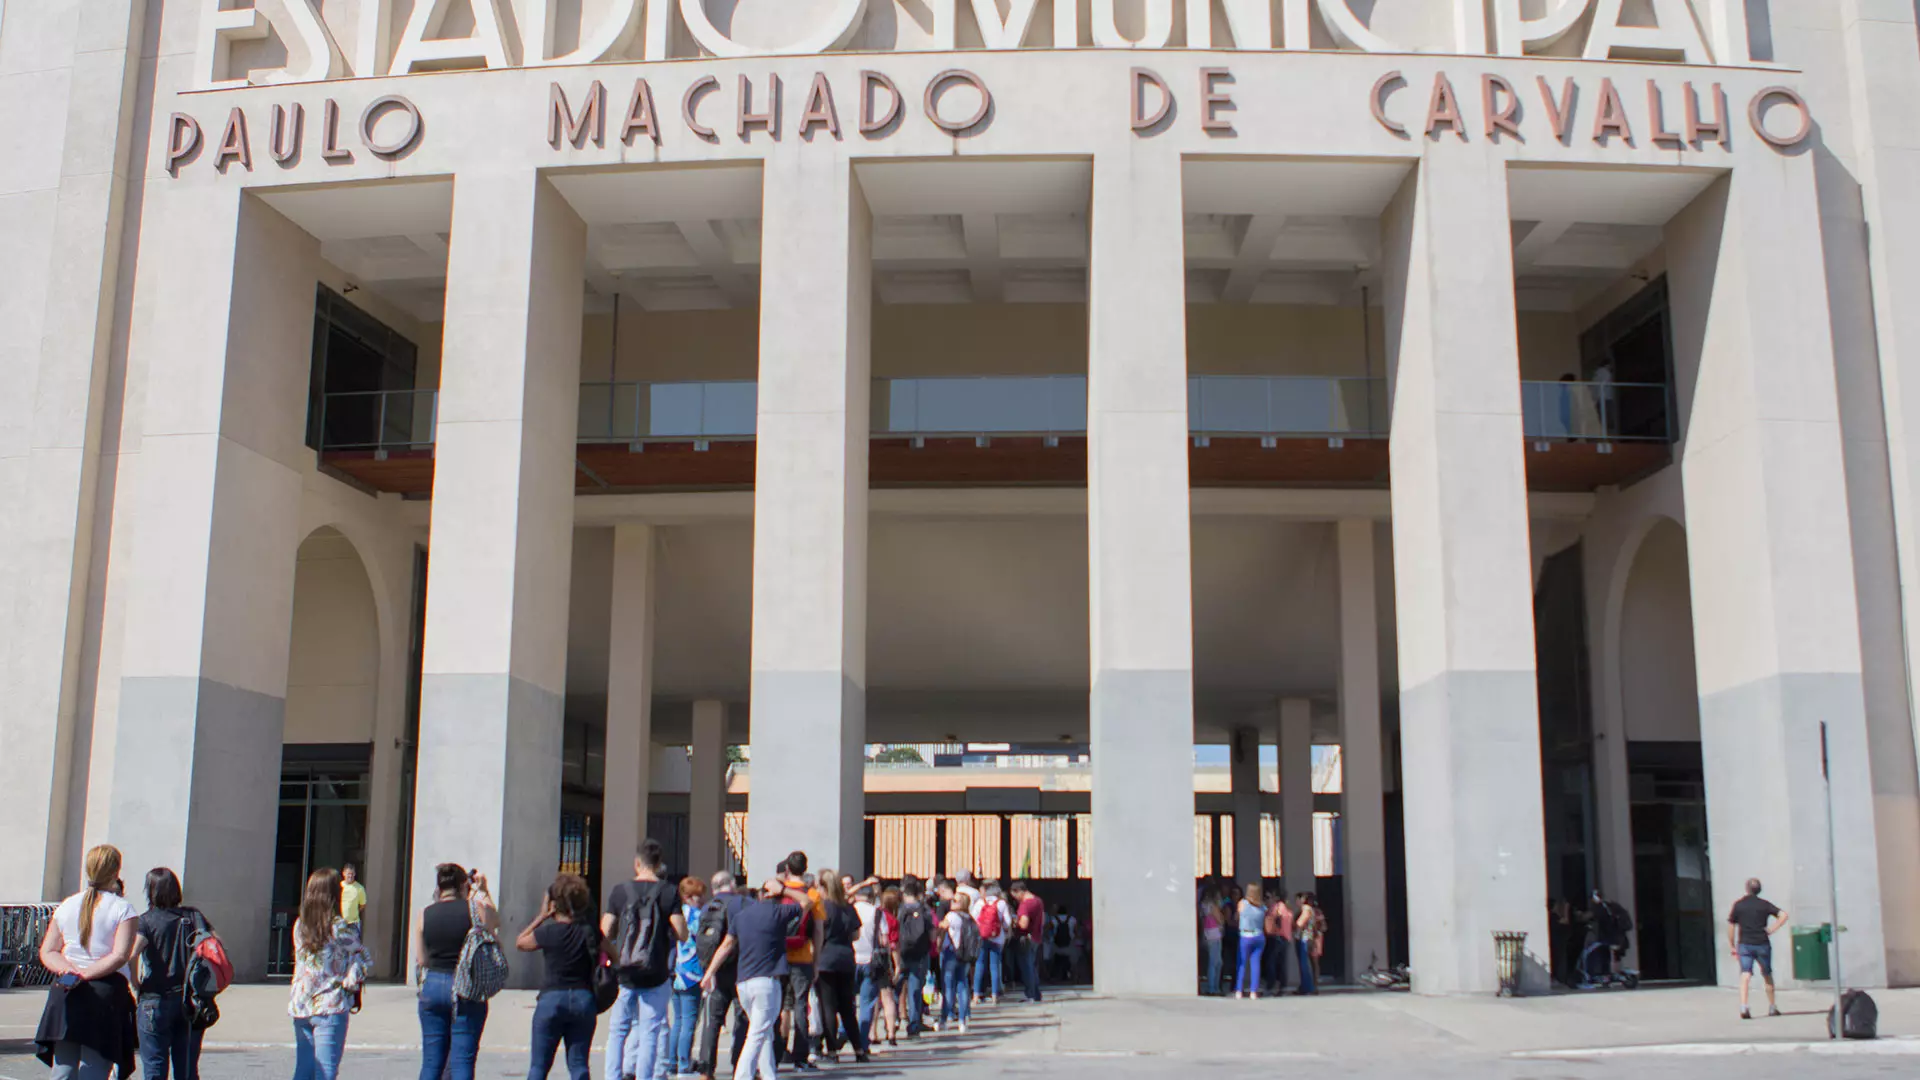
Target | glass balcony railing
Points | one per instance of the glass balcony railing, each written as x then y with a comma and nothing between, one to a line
620,412
1292,405
1595,411
1046,405
378,420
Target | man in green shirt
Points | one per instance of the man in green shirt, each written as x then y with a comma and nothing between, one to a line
353,897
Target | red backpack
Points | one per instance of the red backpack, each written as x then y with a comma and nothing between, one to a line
989,919
802,937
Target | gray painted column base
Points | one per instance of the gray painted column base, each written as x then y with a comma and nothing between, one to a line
1476,850
196,788
807,767
1143,851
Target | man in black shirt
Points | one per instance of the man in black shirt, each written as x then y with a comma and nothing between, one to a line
716,923
1750,930
646,990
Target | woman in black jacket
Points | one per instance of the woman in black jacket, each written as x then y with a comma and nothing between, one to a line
163,944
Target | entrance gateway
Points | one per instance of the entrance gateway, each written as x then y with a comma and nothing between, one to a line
1218,440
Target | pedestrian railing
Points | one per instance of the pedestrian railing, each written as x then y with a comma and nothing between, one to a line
1337,406
22,927
627,412
1011,405
381,421
1595,411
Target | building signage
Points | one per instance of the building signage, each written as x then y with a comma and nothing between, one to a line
1679,115
316,44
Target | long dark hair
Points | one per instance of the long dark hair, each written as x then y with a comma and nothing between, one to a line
163,889
319,905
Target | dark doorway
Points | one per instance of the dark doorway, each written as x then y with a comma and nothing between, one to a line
1566,727
323,823
1673,892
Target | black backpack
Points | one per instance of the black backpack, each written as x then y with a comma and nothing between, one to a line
1861,1016
1062,932
642,952
916,932
969,949
714,924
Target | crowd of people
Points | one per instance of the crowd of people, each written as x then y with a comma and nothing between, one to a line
1247,940
807,966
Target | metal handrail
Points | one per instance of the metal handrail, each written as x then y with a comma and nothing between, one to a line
1030,406
22,926
380,442
638,421
1348,406
1596,411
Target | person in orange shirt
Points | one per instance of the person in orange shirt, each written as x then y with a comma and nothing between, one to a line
795,1007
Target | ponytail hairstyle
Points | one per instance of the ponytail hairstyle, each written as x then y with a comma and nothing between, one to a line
103,869
319,906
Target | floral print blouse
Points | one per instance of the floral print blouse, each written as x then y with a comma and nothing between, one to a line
324,982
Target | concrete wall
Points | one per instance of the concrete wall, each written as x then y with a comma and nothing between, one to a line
1662,703
333,670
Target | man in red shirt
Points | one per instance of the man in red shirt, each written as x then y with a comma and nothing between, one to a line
1029,922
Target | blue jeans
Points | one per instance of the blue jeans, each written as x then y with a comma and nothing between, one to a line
686,1016
563,1015
866,994
165,1037
449,1029
634,1026
318,1042
1303,953
1027,955
912,983
1247,978
954,999
1213,965
1751,956
989,962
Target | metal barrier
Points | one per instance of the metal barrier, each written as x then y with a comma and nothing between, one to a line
22,926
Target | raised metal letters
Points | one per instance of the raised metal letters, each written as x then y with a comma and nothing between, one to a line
1757,114
938,87
395,147
183,141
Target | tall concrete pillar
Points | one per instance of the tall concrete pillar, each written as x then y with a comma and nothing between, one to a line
1140,555
1362,810
707,801
1244,770
1776,624
209,621
60,239
1296,795
1469,718
488,792
809,668
629,702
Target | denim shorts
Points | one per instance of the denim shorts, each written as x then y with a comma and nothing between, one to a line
1756,954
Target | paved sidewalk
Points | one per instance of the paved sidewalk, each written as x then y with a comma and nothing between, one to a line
1079,1029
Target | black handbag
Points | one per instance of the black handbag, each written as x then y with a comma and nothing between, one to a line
606,985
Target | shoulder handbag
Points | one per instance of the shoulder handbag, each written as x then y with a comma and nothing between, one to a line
606,985
482,969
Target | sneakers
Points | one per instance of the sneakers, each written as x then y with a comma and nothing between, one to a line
963,1027
1745,1014
1773,1010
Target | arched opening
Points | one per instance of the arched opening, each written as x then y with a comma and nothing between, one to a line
333,670
1660,706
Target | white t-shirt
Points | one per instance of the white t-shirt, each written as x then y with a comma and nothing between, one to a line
108,913
863,945
955,919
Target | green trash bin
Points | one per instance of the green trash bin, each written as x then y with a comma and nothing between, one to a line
1810,963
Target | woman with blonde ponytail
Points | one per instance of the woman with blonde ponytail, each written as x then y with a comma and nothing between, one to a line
87,1028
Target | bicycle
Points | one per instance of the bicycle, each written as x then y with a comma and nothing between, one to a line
1392,977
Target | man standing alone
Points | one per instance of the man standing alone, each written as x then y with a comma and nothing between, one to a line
353,898
1030,923
1750,930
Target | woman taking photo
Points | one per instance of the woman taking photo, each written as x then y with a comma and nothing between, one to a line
329,968
161,943
566,936
839,1006
450,1027
86,1030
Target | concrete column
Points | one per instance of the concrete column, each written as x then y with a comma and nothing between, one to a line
1244,767
209,618
1776,623
1870,222
1469,718
61,230
809,669
1140,555
707,798
1362,813
629,702
1296,795
488,793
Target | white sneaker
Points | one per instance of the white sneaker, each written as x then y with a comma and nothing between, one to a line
963,1027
